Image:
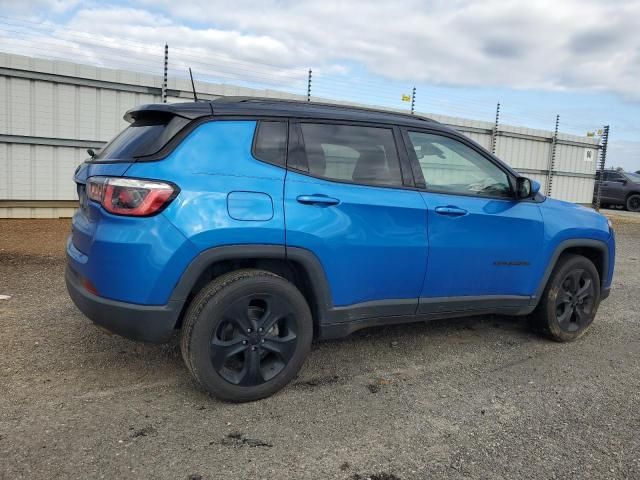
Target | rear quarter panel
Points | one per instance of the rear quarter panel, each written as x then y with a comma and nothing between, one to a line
214,160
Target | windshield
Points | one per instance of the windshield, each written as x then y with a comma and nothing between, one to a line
634,177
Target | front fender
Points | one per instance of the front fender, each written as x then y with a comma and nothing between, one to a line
567,225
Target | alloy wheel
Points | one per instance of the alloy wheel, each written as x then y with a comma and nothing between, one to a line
575,300
255,340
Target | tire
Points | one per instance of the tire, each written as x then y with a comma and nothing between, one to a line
246,335
563,313
633,203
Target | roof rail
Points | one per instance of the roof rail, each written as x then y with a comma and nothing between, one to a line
241,99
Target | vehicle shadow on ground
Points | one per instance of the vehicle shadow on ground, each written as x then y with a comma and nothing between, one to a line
448,326
473,327
336,361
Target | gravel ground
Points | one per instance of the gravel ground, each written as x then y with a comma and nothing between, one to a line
470,398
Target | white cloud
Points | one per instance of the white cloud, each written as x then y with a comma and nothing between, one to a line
573,44
585,45
35,6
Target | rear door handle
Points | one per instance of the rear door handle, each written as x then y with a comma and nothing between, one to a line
317,200
451,211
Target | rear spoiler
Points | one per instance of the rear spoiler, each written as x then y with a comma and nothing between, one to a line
190,111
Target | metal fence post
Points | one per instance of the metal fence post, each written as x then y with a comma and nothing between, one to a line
166,67
309,86
413,101
552,159
604,140
494,140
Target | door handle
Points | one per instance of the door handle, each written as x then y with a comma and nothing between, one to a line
451,211
317,199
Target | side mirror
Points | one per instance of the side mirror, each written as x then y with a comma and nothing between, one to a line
535,187
526,188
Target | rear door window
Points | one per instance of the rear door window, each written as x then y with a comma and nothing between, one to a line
348,153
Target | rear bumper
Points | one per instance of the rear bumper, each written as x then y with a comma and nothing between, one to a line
137,322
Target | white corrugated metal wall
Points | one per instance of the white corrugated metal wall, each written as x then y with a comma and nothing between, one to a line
52,111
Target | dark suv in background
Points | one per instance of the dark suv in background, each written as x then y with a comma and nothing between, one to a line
619,188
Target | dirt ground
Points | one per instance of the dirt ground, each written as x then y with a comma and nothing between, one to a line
469,398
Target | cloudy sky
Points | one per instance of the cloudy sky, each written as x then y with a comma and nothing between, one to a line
538,58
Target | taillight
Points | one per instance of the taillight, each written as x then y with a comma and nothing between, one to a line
131,196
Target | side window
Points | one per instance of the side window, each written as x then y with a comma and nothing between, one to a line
450,166
613,177
270,144
364,155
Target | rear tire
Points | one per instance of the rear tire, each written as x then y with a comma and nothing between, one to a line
246,335
570,300
633,203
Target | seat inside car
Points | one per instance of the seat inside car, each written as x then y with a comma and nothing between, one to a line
372,167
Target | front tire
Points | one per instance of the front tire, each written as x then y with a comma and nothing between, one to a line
633,203
570,300
246,335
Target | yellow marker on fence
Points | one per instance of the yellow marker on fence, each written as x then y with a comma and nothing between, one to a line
406,98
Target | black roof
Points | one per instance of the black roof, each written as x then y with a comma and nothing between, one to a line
270,107
303,109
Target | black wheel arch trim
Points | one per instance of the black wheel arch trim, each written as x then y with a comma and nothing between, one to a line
305,258
319,283
208,257
599,245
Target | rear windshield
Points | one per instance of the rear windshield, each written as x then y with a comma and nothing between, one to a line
144,137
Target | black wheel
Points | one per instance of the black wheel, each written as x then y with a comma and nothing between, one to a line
246,335
570,300
633,203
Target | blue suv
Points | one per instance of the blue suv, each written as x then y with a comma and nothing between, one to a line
253,226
